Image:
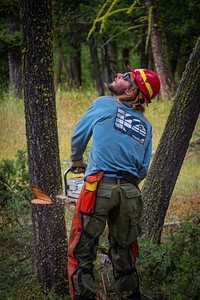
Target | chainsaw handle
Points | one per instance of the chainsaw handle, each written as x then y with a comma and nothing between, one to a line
65,178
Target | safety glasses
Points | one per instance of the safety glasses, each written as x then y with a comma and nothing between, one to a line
126,76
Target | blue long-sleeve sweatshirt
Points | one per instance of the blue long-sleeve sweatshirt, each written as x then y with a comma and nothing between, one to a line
121,138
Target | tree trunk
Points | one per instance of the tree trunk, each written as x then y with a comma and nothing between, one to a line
14,55
50,244
58,69
75,65
169,156
107,72
158,54
113,54
61,66
174,59
144,51
125,57
42,144
96,66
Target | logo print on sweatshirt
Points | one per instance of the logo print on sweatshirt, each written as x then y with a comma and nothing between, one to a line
130,125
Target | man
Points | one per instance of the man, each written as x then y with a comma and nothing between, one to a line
119,158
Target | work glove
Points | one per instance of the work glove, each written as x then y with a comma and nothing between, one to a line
78,166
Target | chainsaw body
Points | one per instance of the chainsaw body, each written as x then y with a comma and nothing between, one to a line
73,185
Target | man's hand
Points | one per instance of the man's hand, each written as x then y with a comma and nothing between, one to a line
78,166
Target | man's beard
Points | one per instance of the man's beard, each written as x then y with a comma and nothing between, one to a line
116,90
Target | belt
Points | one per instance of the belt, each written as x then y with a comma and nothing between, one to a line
113,180
127,177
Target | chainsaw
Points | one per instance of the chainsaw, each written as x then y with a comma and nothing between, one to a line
72,186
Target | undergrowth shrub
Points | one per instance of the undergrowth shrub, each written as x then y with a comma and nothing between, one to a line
172,270
15,194
17,264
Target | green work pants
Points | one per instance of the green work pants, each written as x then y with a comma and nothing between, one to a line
120,205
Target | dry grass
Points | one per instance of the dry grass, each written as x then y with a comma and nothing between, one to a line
12,129
70,107
157,114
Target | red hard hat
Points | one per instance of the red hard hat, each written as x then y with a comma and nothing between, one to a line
147,81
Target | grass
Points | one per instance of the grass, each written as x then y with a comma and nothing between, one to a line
70,107
12,129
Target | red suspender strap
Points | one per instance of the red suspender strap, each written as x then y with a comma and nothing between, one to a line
85,205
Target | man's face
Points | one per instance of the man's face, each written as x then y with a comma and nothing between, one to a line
120,85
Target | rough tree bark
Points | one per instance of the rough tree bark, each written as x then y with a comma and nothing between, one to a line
158,55
42,143
169,156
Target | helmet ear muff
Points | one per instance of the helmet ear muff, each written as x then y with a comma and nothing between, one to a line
129,89
132,88
141,97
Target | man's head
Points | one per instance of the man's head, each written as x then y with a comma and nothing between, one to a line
122,84
143,83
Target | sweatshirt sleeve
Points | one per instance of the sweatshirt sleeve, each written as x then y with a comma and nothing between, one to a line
146,161
82,133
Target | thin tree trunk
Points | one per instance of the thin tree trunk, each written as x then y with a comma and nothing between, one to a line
169,156
75,65
42,143
113,54
61,66
158,54
174,59
144,52
14,55
107,72
96,66
125,57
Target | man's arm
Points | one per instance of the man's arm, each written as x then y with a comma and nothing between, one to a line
80,138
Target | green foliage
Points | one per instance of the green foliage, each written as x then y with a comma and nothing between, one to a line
171,270
17,272
113,9
180,26
13,40
10,8
14,184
